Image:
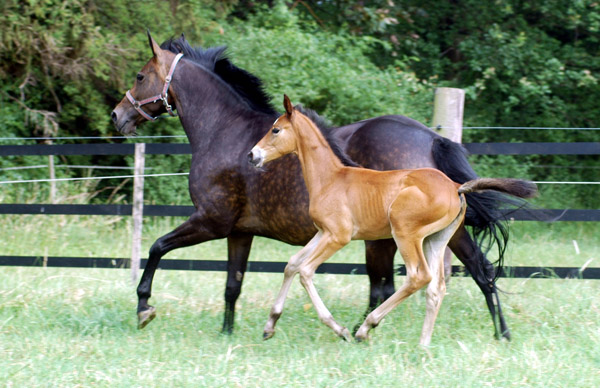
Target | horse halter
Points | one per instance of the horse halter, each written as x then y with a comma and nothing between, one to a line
162,96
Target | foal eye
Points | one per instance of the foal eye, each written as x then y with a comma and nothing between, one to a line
140,77
275,131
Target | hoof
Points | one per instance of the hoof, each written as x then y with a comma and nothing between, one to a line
145,317
267,335
362,335
345,335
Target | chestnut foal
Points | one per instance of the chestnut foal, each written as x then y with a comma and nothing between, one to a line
421,209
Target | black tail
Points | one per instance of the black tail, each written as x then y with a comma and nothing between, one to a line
488,224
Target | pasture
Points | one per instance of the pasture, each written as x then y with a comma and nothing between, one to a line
77,327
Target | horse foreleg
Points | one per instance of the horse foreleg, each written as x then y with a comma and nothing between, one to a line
238,249
189,233
291,269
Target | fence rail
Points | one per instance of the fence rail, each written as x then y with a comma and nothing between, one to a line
581,215
582,148
278,267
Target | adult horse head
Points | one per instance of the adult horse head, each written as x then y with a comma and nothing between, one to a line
147,104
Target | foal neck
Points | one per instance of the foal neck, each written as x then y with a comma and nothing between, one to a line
318,161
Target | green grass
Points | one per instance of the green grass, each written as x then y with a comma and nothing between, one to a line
77,327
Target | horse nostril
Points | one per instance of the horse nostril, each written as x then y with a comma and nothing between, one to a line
113,116
250,157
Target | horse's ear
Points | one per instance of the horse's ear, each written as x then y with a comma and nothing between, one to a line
153,45
287,104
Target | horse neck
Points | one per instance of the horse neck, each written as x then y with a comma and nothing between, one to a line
211,113
319,164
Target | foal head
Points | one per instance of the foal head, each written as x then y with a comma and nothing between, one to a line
279,141
147,99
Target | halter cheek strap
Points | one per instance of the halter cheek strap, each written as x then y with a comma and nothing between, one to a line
163,96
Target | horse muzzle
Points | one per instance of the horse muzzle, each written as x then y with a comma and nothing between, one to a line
256,157
123,121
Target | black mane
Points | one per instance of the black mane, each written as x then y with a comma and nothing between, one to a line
326,130
246,85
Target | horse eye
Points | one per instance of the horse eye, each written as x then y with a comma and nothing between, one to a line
275,131
140,77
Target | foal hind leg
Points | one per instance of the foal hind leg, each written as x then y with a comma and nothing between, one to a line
291,269
434,247
417,276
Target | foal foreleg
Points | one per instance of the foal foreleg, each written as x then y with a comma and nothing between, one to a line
291,269
326,248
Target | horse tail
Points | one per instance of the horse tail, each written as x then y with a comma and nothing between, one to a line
515,187
487,223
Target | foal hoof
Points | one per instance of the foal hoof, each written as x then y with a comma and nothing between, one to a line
146,316
345,335
267,335
361,335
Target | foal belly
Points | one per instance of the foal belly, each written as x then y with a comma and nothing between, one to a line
375,229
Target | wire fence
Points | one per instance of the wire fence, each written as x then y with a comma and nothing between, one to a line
144,137
207,265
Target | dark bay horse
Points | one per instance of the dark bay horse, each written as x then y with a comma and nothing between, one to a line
420,209
224,112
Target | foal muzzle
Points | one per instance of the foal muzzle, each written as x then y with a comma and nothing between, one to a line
256,157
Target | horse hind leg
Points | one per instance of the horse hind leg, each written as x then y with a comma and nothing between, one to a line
482,272
434,247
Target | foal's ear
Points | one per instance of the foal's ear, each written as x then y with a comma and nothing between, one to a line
156,51
287,104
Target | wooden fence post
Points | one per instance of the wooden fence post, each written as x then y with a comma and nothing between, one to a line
138,209
448,108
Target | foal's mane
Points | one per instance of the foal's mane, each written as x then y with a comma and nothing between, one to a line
247,86
326,130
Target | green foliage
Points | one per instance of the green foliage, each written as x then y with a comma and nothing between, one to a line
329,72
65,64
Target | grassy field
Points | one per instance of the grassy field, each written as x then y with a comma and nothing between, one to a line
77,327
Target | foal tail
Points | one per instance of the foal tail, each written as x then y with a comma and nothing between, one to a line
515,187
